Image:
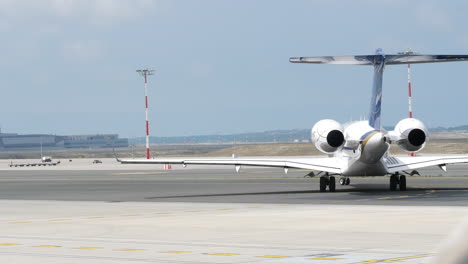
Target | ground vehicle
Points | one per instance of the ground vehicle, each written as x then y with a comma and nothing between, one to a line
46,159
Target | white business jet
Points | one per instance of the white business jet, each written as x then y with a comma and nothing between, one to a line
355,149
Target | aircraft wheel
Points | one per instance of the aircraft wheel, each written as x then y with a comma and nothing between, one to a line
393,182
323,184
348,181
331,184
342,181
402,183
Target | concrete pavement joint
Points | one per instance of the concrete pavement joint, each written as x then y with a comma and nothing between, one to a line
272,256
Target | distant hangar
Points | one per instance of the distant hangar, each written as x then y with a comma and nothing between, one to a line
16,141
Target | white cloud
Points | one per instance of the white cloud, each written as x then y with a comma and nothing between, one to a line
108,8
96,11
72,26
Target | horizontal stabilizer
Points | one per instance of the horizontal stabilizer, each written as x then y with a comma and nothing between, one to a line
353,60
410,59
376,59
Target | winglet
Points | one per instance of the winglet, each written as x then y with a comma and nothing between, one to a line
115,154
443,167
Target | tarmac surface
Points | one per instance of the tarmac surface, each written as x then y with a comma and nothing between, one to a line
124,214
224,185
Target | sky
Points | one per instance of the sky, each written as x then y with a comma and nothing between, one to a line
68,67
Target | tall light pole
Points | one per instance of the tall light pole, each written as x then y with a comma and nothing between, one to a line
145,73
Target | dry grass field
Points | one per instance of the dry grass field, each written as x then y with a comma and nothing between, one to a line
439,146
443,143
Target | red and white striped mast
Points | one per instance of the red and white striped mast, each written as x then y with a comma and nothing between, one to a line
145,73
410,93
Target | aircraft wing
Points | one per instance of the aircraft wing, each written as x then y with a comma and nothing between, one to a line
326,164
395,164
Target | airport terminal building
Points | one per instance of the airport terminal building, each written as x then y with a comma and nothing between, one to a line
16,141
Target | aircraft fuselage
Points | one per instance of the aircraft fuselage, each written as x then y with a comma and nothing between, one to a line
368,157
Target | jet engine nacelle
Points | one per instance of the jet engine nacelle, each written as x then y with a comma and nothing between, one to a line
410,134
327,135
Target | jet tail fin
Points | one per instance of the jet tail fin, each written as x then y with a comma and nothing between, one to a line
379,61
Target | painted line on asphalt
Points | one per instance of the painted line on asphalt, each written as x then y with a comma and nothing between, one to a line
393,260
129,249
87,248
395,197
222,254
47,246
410,257
326,258
176,252
388,260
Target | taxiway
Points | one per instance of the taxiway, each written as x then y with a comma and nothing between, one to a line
201,215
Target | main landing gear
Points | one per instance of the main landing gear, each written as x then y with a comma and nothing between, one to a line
327,181
396,179
345,181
